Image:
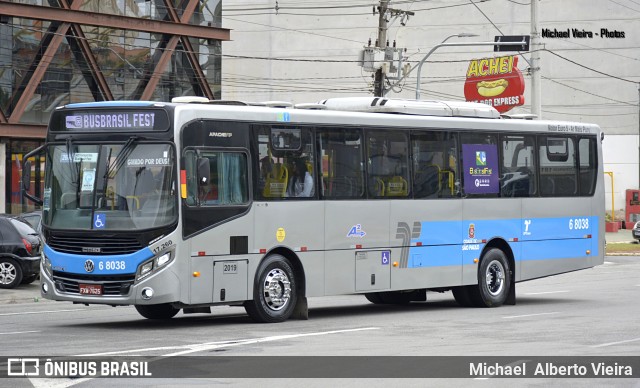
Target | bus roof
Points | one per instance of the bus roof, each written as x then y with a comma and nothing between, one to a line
357,110
412,107
376,105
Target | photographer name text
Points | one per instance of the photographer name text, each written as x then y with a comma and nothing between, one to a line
581,33
548,369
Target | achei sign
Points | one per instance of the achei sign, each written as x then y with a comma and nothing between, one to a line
495,81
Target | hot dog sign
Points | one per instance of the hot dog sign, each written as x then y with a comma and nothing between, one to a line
495,81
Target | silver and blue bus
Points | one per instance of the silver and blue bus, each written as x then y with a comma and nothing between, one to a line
196,203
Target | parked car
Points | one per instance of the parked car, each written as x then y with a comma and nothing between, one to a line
34,219
636,231
20,249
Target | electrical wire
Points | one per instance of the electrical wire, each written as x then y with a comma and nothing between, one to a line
594,70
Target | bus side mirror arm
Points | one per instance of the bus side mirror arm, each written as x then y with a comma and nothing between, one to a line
26,175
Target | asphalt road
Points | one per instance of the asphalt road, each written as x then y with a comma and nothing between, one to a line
594,312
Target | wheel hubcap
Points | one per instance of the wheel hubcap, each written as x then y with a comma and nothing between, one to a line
7,273
495,277
277,289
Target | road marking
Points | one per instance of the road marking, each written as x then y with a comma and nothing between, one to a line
21,332
64,383
546,292
56,383
615,343
192,348
529,315
42,312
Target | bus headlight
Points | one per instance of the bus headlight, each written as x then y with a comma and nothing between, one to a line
146,268
153,265
46,265
162,260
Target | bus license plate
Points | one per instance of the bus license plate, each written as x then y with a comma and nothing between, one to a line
90,289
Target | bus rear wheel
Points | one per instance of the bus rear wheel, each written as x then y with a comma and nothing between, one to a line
274,291
157,311
494,280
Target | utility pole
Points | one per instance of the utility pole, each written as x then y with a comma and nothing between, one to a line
536,105
382,58
378,83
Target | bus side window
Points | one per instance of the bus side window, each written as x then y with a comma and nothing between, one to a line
480,164
388,164
557,166
517,177
434,164
341,167
588,165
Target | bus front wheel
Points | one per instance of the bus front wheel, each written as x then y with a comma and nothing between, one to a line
157,311
494,280
462,295
274,291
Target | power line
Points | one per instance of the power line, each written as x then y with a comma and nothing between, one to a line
622,5
591,115
586,92
594,70
486,17
302,32
274,12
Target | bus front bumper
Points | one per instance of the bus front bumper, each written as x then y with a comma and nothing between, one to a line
161,287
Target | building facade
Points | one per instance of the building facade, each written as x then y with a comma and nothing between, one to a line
304,51
58,52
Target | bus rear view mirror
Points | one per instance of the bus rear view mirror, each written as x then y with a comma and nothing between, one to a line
26,175
203,172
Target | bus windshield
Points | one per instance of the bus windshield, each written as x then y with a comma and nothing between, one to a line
112,187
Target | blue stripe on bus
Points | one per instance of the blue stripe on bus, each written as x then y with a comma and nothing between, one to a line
99,104
557,249
445,243
69,262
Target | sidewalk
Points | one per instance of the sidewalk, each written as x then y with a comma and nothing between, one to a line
29,293
623,235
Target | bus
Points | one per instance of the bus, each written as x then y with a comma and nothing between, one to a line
195,203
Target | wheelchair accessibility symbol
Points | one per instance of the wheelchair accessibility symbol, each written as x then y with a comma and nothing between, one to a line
99,221
386,257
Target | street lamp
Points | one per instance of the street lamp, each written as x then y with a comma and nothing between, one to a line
461,35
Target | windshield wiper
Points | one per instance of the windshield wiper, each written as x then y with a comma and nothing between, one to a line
75,172
74,168
122,156
117,163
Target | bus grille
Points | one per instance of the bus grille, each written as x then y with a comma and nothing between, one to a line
111,285
95,245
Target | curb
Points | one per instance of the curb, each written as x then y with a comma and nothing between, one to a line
17,301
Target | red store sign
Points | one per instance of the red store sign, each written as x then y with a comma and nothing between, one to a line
495,81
